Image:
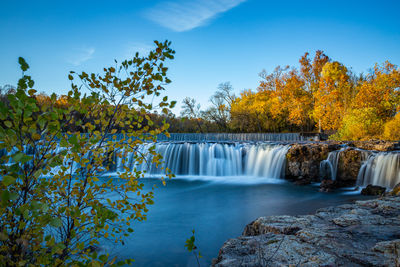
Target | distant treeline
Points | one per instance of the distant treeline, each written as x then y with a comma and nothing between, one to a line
321,95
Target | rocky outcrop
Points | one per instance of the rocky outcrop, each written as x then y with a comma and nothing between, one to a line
303,160
362,234
350,161
378,145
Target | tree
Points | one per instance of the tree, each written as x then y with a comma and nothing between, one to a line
392,129
333,97
380,90
191,110
221,104
54,205
359,124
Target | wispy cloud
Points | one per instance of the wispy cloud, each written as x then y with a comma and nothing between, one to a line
81,55
184,15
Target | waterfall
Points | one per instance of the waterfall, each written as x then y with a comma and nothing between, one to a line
381,169
214,159
328,167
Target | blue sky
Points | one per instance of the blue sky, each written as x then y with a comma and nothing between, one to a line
215,40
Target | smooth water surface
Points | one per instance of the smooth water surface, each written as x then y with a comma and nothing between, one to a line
217,211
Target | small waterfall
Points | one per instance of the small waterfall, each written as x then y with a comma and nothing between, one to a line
267,161
216,137
215,159
328,167
381,169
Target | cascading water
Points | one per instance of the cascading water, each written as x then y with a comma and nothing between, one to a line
328,167
215,159
381,169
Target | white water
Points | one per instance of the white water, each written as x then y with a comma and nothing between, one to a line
381,169
245,161
328,167
214,159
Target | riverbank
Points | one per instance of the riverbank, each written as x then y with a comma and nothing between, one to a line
365,233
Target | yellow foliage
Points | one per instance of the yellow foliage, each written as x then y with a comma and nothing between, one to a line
333,97
380,90
392,129
360,124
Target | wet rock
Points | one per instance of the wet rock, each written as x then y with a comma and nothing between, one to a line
396,190
350,161
303,160
373,190
328,186
365,233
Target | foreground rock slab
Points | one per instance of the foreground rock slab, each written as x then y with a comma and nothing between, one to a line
366,233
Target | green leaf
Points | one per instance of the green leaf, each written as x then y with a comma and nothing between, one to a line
8,124
5,195
74,139
63,143
21,157
31,83
23,64
7,180
56,222
103,258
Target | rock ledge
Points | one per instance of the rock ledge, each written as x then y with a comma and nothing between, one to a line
366,233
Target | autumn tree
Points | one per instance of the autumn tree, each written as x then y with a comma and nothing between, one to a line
311,71
243,117
375,104
359,124
392,128
333,97
380,91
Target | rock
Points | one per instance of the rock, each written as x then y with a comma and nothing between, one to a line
350,161
373,190
303,160
365,233
396,190
328,186
283,224
378,145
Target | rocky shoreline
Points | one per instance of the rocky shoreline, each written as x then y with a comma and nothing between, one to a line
365,233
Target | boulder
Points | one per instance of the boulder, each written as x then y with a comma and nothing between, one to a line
373,190
328,186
